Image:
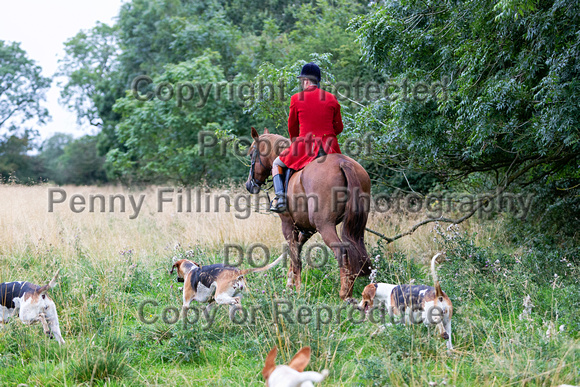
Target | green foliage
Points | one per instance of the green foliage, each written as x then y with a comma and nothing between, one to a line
106,342
511,104
500,280
322,27
51,150
90,66
65,160
157,37
81,163
15,163
271,107
95,79
22,88
251,17
155,34
98,363
161,138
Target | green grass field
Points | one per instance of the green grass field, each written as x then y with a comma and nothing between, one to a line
112,264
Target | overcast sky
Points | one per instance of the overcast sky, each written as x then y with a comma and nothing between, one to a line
42,27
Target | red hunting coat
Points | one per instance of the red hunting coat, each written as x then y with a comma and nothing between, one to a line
313,123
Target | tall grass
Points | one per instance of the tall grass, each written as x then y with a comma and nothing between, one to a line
111,264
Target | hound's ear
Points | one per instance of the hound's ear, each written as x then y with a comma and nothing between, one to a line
255,134
175,265
52,282
300,360
370,291
270,364
266,131
42,290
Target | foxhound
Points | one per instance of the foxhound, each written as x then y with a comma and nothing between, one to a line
220,283
291,375
414,303
31,303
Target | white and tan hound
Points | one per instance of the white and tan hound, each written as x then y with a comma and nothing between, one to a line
220,283
414,303
291,375
32,304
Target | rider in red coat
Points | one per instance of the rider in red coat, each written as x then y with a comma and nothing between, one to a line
313,124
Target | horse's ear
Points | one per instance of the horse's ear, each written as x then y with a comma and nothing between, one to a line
255,134
266,131
300,360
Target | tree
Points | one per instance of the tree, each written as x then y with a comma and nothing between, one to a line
51,151
160,137
22,88
66,160
95,80
80,163
231,41
508,111
15,163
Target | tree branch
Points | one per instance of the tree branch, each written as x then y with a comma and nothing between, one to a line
482,202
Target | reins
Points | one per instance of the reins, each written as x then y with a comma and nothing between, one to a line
254,181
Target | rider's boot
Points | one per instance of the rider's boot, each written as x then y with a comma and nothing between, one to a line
279,203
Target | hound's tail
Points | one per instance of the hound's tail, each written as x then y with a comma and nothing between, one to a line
312,376
436,285
267,267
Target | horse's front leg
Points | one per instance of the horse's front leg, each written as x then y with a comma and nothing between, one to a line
296,239
302,238
295,270
291,236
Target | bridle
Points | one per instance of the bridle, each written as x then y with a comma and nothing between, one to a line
254,184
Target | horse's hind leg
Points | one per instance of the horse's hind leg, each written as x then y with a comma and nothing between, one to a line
332,240
295,269
291,235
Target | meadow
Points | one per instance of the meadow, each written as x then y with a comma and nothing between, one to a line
111,264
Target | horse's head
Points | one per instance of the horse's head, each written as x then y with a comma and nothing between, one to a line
261,164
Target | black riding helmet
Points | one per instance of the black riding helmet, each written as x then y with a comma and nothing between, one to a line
310,71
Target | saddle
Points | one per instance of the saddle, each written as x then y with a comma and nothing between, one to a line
289,171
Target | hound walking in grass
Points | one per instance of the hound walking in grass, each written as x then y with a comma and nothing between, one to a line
414,303
220,283
32,304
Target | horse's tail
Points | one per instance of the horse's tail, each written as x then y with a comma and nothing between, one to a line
355,220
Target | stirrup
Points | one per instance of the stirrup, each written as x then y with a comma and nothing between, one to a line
278,205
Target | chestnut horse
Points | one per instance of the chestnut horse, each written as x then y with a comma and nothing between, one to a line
331,189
